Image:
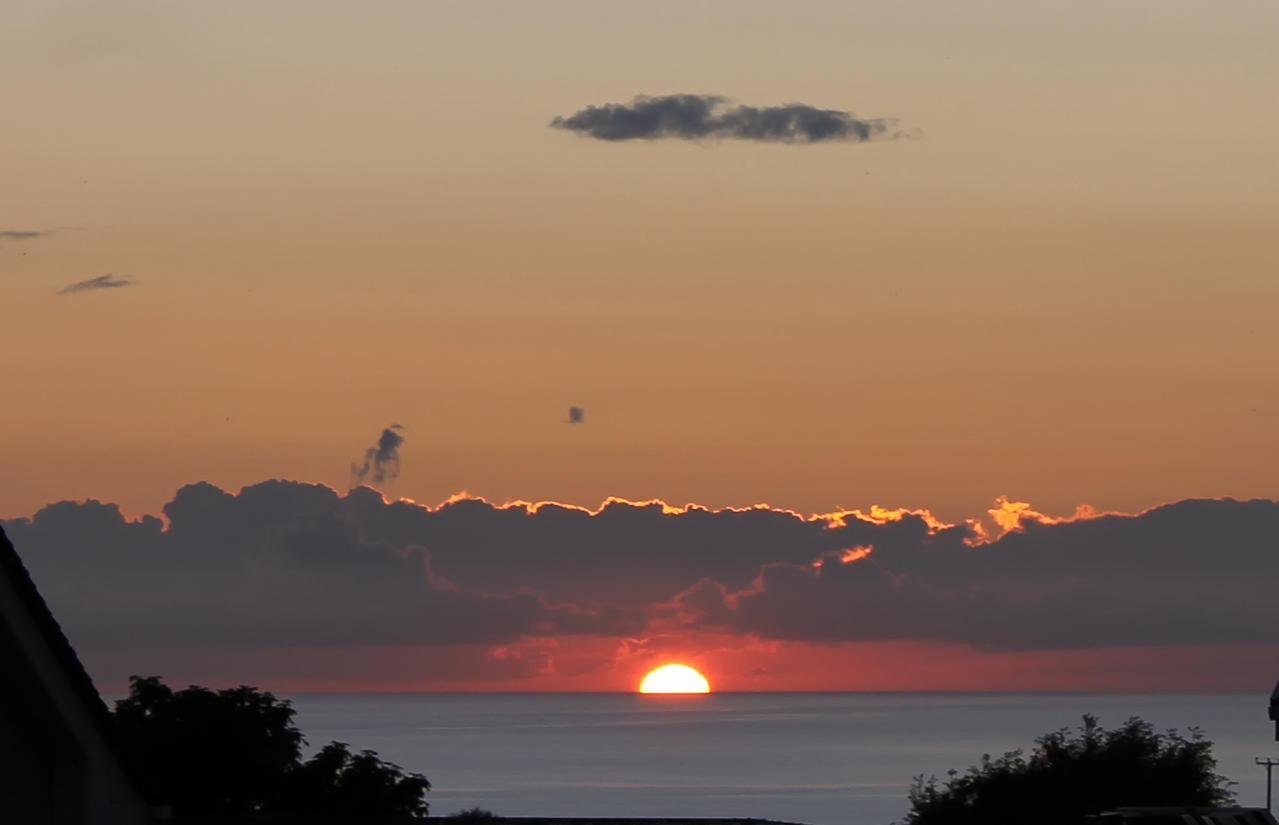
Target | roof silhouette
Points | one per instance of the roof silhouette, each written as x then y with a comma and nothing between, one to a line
45,679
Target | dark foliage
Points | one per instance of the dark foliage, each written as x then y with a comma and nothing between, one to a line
473,813
336,782
237,751
220,752
1070,775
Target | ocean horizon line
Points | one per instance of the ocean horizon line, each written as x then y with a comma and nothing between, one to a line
698,696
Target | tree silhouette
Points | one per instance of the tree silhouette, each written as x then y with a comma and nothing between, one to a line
236,751
473,813
1070,775
336,782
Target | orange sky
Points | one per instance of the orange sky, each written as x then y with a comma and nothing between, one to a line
1062,289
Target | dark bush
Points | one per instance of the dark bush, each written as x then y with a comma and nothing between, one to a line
473,813
1070,775
237,751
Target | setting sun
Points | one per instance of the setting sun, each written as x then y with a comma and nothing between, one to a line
674,679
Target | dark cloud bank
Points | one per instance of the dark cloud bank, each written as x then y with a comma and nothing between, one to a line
284,563
706,117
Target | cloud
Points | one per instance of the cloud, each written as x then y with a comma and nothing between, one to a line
24,234
1190,573
381,461
576,415
298,563
703,117
277,565
100,282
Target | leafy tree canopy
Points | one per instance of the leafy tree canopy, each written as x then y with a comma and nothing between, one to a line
237,751
1072,774
473,813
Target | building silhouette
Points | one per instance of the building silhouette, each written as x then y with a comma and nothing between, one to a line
58,761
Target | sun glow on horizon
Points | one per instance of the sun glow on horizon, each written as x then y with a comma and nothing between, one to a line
674,678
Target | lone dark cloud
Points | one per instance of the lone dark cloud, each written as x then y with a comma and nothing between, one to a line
382,461
100,282
23,234
700,117
576,415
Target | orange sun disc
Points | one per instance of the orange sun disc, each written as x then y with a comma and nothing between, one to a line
674,679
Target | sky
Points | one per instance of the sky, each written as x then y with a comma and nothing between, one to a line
816,257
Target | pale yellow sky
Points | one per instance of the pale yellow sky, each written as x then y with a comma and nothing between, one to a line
338,216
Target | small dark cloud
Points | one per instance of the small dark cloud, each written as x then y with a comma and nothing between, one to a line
23,234
576,415
101,282
381,461
702,117
14,235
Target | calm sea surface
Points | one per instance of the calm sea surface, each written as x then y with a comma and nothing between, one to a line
821,758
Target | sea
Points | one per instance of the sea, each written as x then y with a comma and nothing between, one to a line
816,758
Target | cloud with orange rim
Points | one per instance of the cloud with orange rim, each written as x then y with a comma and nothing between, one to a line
301,566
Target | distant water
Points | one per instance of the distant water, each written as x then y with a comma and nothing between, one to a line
820,758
